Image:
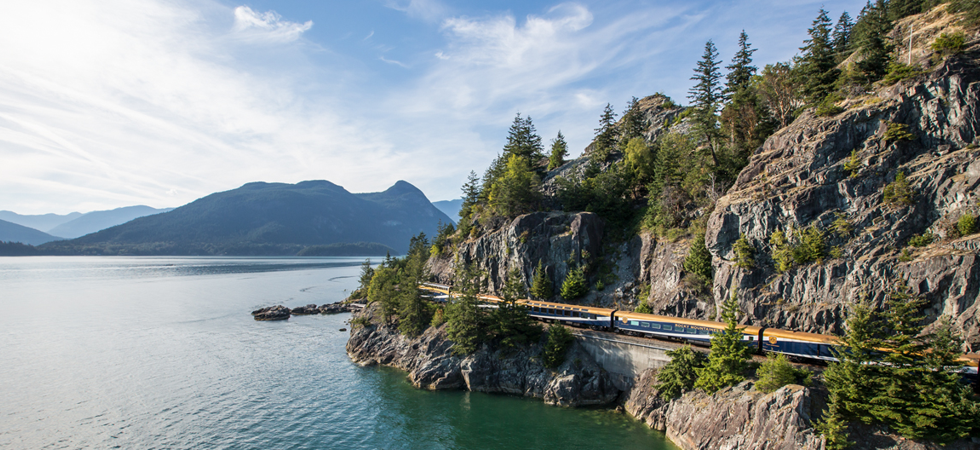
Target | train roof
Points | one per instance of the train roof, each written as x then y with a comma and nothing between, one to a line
591,309
808,337
971,359
678,320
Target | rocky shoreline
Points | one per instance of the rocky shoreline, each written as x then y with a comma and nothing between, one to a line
281,312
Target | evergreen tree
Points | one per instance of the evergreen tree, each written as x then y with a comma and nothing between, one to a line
634,124
898,9
414,315
841,36
729,355
680,374
384,290
516,191
817,65
852,379
741,70
873,42
541,288
944,411
559,338
523,140
574,285
605,135
510,322
464,319
559,150
367,272
698,260
706,96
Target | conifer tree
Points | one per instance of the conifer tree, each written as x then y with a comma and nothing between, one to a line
471,197
706,96
516,191
729,355
510,321
874,44
559,150
841,36
817,65
523,140
414,316
633,123
698,260
464,319
741,70
605,135
541,286
574,285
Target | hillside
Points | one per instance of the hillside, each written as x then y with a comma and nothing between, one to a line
42,222
270,219
450,208
12,232
100,220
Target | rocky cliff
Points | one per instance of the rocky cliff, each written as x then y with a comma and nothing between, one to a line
430,364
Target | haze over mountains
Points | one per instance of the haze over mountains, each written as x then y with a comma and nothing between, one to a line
450,208
12,232
271,219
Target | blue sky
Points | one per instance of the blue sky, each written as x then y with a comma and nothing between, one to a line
109,103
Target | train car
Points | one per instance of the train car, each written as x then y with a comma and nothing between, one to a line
576,315
801,345
691,330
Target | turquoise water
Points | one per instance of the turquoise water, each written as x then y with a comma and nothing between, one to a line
162,353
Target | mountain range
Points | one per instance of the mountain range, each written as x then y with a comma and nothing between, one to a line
450,208
270,219
12,232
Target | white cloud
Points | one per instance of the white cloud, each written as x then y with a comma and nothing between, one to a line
393,62
267,26
428,10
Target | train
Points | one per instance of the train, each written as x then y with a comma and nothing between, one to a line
803,346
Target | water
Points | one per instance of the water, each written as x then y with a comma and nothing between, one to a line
161,353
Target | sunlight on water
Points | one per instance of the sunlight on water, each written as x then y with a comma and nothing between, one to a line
162,353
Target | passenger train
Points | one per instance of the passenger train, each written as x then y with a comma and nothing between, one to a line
808,346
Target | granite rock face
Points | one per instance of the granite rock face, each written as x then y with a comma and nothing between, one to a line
798,180
430,364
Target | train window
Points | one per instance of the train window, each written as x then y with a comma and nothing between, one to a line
551,311
645,324
668,327
656,326
692,331
534,308
592,316
567,312
751,338
574,313
634,323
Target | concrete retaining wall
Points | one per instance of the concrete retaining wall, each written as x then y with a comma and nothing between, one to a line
622,357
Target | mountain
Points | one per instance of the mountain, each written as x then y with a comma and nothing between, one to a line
450,208
12,232
43,222
270,219
100,220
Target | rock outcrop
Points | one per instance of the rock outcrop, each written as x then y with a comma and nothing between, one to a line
430,364
272,313
305,310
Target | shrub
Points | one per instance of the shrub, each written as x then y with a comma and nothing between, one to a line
841,226
922,240
897,132
559,338
967,224
680,373
744,253
812,246
949,44
898,72
853,164
828,107
698,260
643,308
782,251
777,372
358,322
438,318
898,192
906,255
574,285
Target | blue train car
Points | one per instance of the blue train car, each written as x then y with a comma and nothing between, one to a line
802,345
691,330
582,316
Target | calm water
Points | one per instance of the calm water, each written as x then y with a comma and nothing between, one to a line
162,353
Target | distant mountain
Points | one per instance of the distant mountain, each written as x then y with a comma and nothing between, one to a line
450,208
12,232
270,219
43,222
100,220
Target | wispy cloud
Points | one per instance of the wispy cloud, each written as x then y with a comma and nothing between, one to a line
393,62
267,26
428,10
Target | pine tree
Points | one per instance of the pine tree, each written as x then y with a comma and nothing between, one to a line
464,319
852,379
874,44
516,191
414,315
384,290
559,150
698,260
523,140
680,373
634,123
605,135
510,322
817,65
841,36
574,285
367,272
741,70
559,338
541,287
729,355
706,96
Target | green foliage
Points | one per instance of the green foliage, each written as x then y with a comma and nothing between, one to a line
639,160
438,318
782,251
906,255
741,71
510,322
744,253
729,356
897,132
706,96
898,72
413,312
853,164
834,429
898,192
516,191
779,92
841,226
383,289
680,373
949,44
559,150
464,319
967,224
559,339
600,192
605,135
698,260
359,322
471,198
364,281
777,372
541,287
828,106
523,140
873,42
817,64
574,285
841,37
633,123
643,308
804,247
922,240
443,239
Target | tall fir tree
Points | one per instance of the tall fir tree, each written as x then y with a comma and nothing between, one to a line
559,150
706,96
874,44
605,135
634,124
541,287
729,355
817,64
841,37
464,318
516,191
741,70
523,140
510,322
413,314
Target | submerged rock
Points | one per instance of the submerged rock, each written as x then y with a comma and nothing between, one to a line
272,313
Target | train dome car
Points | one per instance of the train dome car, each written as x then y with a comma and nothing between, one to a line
696,331
802,345
578,315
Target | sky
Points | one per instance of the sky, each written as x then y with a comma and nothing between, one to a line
110,103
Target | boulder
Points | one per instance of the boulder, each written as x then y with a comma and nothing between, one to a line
271,313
